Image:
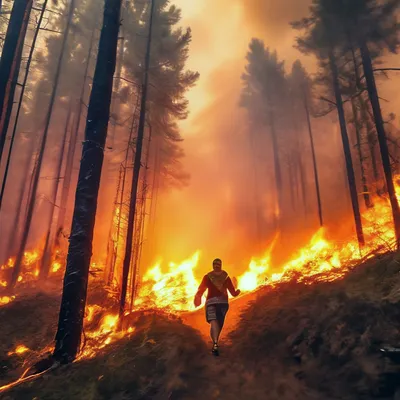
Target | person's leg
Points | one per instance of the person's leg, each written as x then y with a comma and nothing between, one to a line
215,331
221,312
211,315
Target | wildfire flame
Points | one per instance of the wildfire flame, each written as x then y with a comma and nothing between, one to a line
20,349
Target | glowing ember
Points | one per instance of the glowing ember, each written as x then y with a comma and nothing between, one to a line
20,349
56,266
6,299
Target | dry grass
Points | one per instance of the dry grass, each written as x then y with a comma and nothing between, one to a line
324,339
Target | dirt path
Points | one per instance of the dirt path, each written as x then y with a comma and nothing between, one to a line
225,375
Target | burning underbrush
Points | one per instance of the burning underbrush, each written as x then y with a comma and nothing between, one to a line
172,287
294,340
147,360
323,341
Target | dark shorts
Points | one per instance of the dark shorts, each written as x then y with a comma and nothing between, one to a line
217,312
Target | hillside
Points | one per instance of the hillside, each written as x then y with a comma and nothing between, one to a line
295,341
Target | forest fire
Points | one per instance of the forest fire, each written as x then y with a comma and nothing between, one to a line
173,289
320,260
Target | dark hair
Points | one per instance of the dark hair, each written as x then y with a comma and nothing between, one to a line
217,260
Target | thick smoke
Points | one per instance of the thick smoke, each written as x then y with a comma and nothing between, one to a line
216,214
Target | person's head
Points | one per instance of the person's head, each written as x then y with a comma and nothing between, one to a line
217,265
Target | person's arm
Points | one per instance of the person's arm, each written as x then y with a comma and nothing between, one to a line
231,288
200,291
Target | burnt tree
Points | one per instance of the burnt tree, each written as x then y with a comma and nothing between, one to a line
346,149
380,129
70,323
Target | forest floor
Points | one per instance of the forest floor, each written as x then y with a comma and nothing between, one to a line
296,341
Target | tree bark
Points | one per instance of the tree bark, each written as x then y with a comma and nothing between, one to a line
376,108
11,60
136,172
347,151
28,65
32,201
70,323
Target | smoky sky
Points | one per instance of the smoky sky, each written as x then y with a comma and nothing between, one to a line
271,17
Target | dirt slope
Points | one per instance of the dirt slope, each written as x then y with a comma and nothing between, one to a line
297,341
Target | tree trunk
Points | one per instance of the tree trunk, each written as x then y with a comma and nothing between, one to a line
46,259
112,244
71,149
303,184
136,172
125,166
20,100
140,228
374,99
31,206
365,113
314,159
115,104
254,156
371,136
11,60
347,151
367,199
12,242
292,184
70,323
277,165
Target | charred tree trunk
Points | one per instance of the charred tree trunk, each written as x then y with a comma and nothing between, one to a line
11,60
136,171
32,201
140,229
46,259
71,149
115,103
372,139
28,65
112,244
367,198
347,151
70,323
374,99
314,158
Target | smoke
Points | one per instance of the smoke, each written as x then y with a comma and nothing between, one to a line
217,213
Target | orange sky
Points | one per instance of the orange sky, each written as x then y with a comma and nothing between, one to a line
211,214
222,29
